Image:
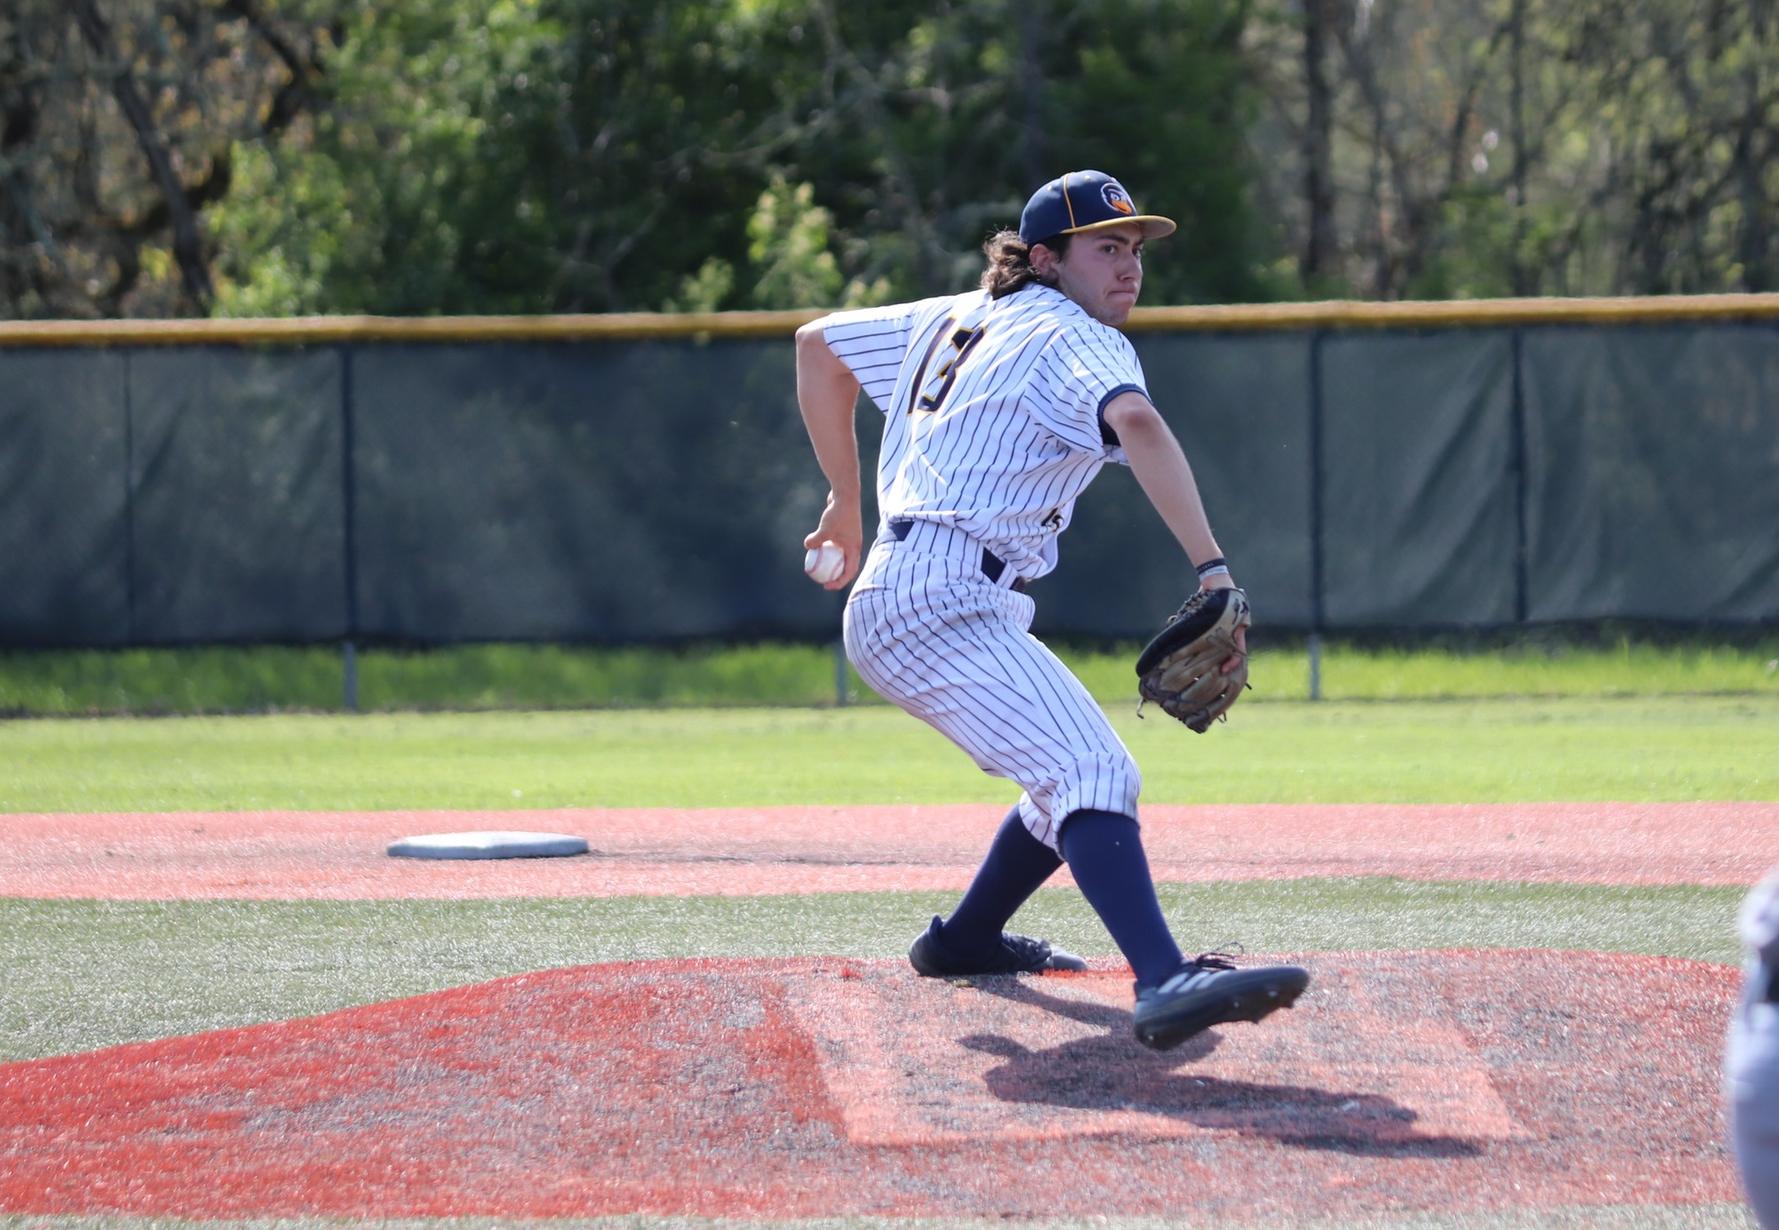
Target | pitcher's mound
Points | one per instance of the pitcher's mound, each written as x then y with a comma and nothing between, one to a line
1448,1081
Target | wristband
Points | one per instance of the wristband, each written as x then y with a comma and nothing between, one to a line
1214,568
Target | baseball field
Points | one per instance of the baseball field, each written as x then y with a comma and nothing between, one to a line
225,1004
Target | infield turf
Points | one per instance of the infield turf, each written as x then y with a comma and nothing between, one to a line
86,974
1681,748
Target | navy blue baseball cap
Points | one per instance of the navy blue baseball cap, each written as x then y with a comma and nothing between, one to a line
1084,201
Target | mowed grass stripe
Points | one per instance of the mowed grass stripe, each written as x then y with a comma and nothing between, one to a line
86,974
234,679
1680,748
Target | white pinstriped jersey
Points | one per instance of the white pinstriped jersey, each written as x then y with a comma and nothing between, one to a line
993,411
993,426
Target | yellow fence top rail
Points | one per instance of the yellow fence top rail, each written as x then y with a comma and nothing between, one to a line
1329,314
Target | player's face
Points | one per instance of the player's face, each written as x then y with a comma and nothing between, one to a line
1103,272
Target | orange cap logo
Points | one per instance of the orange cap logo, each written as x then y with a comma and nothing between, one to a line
1117,197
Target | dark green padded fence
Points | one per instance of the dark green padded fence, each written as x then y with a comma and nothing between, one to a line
655,486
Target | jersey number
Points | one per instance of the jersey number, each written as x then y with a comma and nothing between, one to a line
953,342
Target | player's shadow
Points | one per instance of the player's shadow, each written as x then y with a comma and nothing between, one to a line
1109,1071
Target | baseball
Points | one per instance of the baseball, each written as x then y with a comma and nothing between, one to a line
824,563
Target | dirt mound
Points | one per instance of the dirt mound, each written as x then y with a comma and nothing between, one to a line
1446,1081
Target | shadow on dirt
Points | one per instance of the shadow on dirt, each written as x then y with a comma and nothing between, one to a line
1109,1071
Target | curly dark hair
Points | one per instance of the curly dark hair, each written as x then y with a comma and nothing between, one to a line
1010,261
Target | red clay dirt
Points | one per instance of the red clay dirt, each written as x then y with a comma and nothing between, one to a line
1441,1081
284,855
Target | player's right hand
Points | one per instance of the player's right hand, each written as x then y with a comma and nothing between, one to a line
840,525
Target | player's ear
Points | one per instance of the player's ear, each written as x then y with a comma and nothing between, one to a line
1043,260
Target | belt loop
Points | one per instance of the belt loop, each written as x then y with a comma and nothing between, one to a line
994,567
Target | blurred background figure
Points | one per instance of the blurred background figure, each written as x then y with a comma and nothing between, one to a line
1751,1067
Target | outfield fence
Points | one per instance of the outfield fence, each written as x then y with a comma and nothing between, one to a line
628,479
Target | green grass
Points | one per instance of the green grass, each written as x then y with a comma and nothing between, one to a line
84,974
236,680
1419,752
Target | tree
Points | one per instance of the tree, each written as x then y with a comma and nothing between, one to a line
1524,146
611,155
404,191
1318,254
117,125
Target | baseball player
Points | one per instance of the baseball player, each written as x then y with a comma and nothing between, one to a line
1751,1064
1000,406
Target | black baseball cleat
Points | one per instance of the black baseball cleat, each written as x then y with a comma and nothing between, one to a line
1209,990
1016,954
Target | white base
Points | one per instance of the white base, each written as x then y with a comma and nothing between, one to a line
488,845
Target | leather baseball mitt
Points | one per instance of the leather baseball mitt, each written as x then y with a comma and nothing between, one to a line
1182,668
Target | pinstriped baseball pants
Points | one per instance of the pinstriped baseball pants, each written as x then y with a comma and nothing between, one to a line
927,630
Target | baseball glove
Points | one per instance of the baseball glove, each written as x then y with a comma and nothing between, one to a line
1182,668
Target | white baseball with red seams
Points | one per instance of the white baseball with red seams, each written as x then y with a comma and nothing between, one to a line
824,563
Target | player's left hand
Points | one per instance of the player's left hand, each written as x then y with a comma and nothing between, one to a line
1197,666
1239,659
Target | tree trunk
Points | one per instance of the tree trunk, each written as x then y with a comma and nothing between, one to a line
1318,256
1754,146
1524,281
188,244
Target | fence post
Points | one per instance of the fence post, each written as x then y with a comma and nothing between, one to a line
129,495
349,517
1317,613
1522,487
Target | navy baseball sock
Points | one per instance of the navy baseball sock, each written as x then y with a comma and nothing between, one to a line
1105,855
1016,864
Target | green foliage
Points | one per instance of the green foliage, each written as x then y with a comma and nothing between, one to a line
604,155
398,196
967,108
1172,100
788,248
707,290
528,156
